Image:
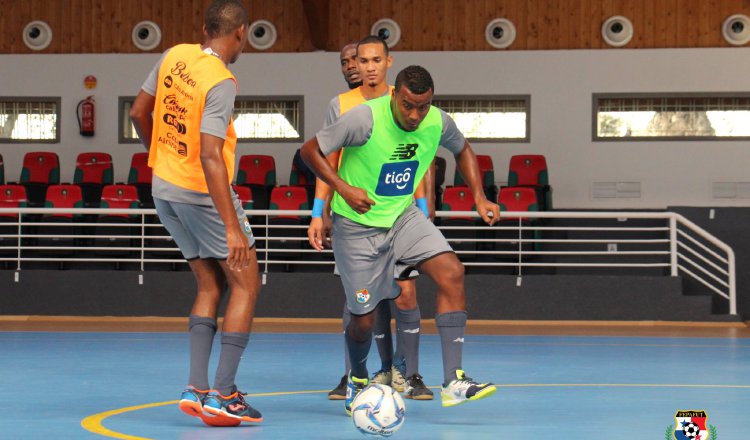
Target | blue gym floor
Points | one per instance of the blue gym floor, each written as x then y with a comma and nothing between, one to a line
124,385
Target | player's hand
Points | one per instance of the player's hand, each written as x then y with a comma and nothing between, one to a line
239,249
356,198
319,232
490,212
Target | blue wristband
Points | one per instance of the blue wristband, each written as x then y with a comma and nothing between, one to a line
422,204
317,209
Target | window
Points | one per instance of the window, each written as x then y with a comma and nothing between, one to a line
29,120
489,118
125,128
269,118
681,116
255,118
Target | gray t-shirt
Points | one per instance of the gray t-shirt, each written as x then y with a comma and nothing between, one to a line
217,112
354,128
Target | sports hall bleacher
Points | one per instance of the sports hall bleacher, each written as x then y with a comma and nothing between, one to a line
612,134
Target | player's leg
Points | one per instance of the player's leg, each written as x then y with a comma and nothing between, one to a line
381,331
418,243
448,273
339,392
408,319
202,328
225,401
202,321
358,341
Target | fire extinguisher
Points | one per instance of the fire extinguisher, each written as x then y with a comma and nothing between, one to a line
85,113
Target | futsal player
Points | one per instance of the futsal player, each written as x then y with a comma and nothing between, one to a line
191,143
373,59
378,232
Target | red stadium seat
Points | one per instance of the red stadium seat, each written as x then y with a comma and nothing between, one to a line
119,197
257,172
289,198
517,198
245,196
140,176
531,170
93,171
486,174
12,196
459,198
63,196
40,170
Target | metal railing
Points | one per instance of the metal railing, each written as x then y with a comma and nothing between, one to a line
651,242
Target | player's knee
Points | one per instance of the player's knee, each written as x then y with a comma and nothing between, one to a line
408,298
359,328
452,273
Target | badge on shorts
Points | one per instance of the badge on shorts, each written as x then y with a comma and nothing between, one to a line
362,296
247,227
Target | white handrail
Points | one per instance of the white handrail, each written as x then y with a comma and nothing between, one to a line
722,281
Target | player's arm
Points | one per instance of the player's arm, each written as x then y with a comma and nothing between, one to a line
319,231
141,113
217,113
217,180
424,195
466,161
315,159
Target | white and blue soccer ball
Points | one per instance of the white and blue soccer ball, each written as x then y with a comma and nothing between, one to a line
378,410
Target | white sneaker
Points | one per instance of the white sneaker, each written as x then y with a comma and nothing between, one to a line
465,389
398,382
383,377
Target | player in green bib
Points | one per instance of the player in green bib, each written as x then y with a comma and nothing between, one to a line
378,232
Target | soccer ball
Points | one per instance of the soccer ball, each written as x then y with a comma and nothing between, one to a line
378,410
691,430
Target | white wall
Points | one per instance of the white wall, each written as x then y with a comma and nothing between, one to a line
560,84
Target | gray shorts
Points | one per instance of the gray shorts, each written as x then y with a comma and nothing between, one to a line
370,259
198,229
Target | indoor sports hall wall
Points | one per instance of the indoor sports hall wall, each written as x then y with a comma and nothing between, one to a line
560,84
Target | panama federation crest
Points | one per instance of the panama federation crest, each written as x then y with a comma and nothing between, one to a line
362,296
691,425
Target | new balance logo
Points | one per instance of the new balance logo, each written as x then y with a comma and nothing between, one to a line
461,340
404,152
413,330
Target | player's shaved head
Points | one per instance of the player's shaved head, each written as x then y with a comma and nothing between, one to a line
224,16
415,78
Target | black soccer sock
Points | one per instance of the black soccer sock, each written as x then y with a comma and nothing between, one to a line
232,347
407,331
347,316
358,352
382,334
452,327
202,331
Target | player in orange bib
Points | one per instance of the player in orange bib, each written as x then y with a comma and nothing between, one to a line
191,143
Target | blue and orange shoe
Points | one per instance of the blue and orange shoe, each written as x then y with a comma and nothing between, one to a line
231,410
191,401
